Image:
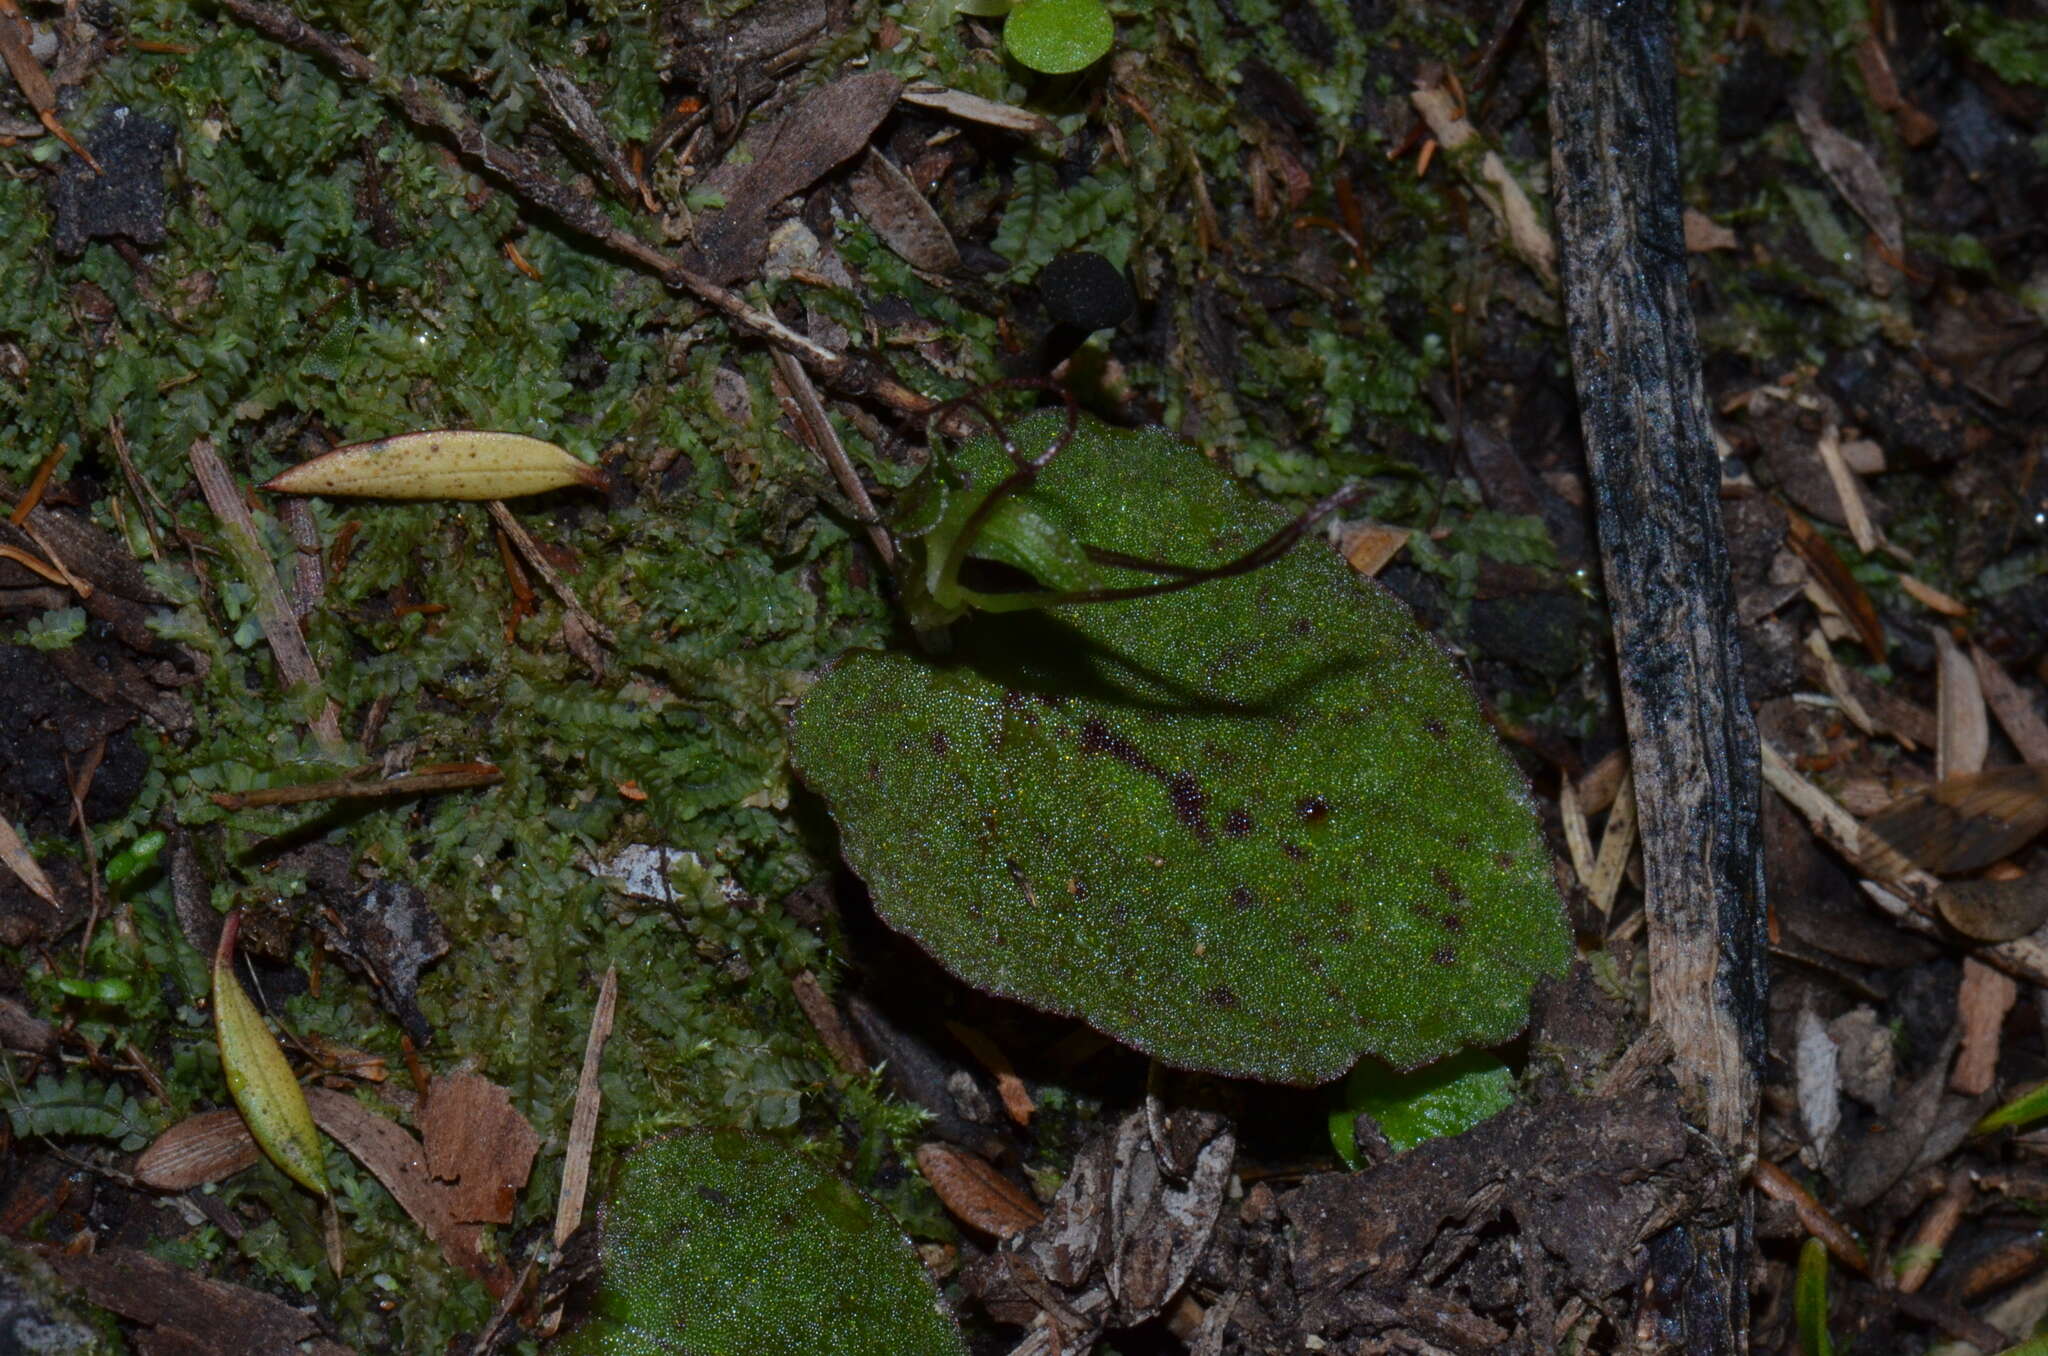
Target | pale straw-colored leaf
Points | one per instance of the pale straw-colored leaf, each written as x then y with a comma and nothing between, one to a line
259,1078
440,464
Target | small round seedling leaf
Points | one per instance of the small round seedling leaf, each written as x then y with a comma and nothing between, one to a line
720,1243
1256,826
440,464
1059,37
1448,1097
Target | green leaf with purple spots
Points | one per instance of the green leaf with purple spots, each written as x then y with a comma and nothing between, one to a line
1256,826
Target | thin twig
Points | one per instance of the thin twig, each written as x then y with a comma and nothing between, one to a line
583,1124
1935,1230
137,486
502,516
354,788
808,413
1814,1217
79,784
35,85
280,627
47,571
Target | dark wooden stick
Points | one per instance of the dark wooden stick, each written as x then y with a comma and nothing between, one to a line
1656,480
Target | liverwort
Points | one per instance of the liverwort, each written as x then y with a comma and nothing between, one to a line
1219,798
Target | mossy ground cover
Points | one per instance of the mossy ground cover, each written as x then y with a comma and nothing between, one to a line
329,273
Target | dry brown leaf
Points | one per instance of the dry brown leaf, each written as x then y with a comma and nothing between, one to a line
1959,708
1864,457
1995,910
1367,547
1703,233
1578,835
1600,781
884,195
207,1146
14,854
1836,680
1617,841
1982,1000
1881,705
477,1141
830,125
186,1312
1968,822
974,108
1854,173
825,1019
583,1124
1855,509
1015,1096
22,1030
975,1192
396,1159
2013,706
1835,581
1931,598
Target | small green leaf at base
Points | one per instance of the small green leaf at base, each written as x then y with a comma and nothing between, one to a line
1810,1299
720,1243
1448,1097
2030,1105
1059,37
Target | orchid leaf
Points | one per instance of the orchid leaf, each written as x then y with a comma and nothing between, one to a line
1255,826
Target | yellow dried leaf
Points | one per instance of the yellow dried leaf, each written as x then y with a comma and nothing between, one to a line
440,464
260,1080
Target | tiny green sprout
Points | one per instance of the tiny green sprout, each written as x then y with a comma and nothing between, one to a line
136,858
98,990
1220,798
1448,1097
1810,1300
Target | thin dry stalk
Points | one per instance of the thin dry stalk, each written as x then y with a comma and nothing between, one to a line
583,1124
273,610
